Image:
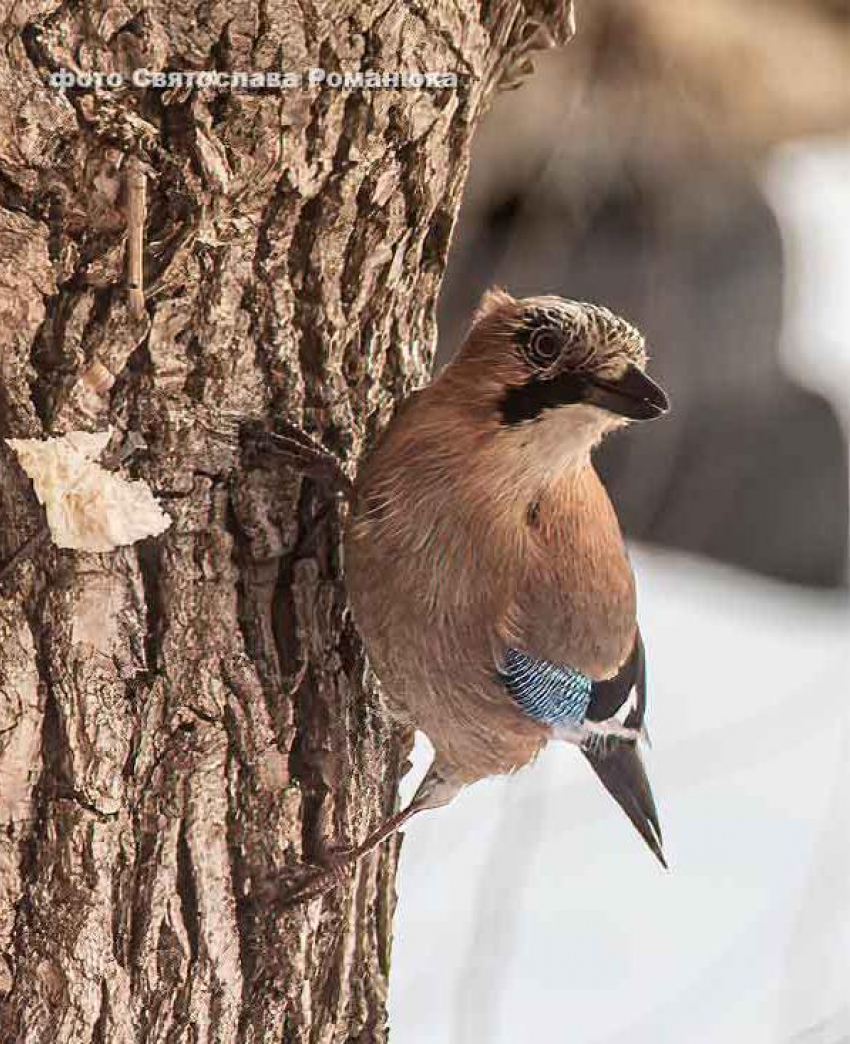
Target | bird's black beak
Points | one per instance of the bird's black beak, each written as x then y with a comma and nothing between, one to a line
633,395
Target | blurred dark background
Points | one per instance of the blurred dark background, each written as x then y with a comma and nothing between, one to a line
627,171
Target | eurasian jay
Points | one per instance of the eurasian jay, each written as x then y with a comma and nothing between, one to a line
484,562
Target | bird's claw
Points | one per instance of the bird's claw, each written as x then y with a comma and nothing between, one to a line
301,884
297,450
313,885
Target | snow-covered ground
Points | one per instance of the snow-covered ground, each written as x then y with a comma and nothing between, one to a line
531,911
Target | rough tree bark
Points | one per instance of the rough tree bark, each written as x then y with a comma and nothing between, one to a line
183,720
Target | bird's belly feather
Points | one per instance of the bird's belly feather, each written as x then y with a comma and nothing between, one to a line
439,601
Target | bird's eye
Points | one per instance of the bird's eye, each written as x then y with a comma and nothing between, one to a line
544,346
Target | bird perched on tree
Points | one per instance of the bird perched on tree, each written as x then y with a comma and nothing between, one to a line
484,562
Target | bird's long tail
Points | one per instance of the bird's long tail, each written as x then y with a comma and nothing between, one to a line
622,774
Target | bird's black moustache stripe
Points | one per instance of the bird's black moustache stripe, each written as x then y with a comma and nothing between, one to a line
632,395
531,399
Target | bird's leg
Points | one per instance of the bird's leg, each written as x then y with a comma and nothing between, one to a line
299,451
433,792
317,882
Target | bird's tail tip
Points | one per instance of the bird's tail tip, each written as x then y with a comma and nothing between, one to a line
621,771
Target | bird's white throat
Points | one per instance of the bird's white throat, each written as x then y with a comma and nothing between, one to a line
560,440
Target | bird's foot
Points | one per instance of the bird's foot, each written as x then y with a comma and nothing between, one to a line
310,882
303,884
297,450
338,866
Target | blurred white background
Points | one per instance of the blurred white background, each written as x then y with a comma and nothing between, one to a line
531,911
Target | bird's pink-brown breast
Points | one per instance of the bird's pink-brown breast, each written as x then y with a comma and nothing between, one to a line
443,573
429,591
576,599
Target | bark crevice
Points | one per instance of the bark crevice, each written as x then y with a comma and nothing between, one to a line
194,718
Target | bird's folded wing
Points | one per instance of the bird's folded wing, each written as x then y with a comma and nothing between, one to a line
557,694
548,693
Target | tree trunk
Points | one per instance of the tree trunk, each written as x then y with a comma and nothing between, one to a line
187,719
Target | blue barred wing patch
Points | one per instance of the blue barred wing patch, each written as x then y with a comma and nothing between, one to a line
550,694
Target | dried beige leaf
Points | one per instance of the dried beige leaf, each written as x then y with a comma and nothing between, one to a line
88,508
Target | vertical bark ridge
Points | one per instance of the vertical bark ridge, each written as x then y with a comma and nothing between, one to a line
185,721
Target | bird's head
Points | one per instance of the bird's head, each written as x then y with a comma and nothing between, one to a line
554,376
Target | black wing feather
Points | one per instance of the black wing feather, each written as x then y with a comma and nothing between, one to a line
607,697
619,765
621,772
